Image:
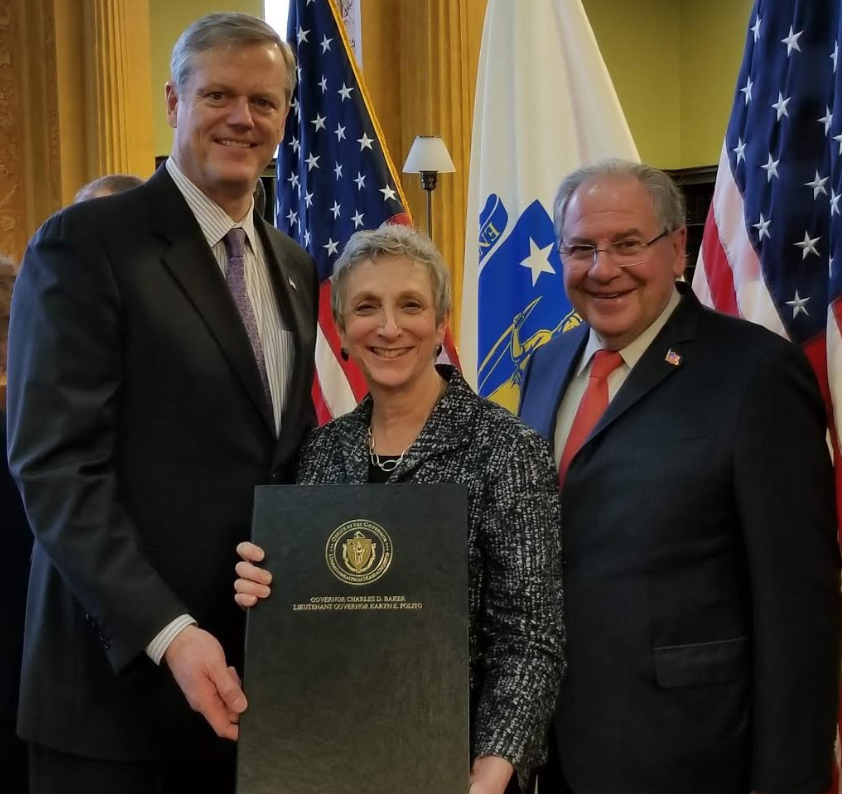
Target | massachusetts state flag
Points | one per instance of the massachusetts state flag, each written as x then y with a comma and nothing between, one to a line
544,106
334,177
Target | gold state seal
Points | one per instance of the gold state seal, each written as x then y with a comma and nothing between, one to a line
358,552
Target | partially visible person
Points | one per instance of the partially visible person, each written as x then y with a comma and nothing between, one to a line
107,186
160,367
422,423
701,558
15,549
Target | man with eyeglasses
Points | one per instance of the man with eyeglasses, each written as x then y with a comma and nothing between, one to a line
701,564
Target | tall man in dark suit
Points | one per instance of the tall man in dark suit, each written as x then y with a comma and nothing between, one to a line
160,365
701,564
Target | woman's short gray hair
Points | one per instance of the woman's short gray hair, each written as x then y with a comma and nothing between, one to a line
227,29
666,198
391,240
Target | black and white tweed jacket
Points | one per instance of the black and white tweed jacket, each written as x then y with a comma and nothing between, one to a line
515,598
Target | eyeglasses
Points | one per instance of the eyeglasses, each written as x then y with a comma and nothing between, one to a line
623,253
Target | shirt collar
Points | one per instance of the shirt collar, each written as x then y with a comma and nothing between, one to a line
214,221
633,352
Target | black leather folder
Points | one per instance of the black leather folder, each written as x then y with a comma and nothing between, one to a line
357,664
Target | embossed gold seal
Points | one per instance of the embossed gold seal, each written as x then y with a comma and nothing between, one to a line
358,552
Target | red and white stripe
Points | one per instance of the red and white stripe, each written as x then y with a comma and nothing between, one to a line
729,278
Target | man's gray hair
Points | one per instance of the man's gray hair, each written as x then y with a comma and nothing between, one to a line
106,186
391,240
666,198
227,29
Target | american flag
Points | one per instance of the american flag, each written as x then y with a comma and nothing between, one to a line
772,246
335,177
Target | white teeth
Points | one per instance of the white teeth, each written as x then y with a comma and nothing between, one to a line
388,353
236,144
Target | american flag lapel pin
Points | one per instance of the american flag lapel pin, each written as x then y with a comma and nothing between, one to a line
292,283
672,358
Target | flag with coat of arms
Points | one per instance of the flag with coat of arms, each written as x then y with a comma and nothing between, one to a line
545,105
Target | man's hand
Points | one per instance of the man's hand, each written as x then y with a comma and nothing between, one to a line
197,662
490,775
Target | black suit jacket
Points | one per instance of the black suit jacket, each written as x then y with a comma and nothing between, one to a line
701,567
137,432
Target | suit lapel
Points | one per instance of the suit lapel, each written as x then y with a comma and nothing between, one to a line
662,359
353,443
193,266
292,308
549,382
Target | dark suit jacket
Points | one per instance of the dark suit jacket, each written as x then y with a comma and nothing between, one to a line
137,432
701,567
515,598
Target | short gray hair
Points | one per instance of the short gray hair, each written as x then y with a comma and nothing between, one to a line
107,185
391,240
227,29
667,200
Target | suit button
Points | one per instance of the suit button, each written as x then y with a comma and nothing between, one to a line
276,477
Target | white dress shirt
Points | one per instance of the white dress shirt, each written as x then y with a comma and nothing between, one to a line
277,340
630,354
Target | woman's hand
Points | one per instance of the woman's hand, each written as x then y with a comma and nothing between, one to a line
253,582
490,775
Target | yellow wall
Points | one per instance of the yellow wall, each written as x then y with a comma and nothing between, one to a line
712,39
674,66
640,44
167,20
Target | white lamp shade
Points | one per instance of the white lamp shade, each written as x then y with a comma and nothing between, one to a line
428,153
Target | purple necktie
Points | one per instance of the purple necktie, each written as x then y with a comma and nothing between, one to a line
235,277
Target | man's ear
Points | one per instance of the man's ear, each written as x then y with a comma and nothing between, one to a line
679,244
171,93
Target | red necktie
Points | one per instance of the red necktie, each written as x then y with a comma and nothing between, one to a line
591,408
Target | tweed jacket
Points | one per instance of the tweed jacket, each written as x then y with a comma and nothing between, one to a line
515,598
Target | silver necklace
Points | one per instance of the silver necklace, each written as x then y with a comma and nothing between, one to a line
390,464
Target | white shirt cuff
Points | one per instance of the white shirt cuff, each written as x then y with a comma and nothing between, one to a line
157,648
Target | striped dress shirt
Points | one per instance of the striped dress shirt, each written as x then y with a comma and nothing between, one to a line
277,340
